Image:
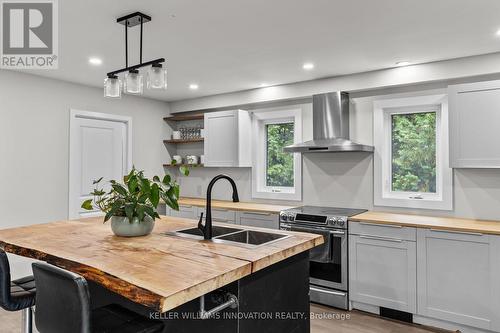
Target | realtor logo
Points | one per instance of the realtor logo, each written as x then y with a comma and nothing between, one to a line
29,34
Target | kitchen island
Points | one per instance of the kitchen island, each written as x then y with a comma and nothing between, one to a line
168,277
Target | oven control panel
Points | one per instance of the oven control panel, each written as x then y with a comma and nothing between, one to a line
287,217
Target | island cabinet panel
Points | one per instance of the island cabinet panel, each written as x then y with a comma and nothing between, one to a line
261,220
458,277
227,139
474,120
382,269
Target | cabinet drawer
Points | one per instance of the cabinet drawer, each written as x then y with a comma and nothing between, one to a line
382,230
185,211
261,220
220,215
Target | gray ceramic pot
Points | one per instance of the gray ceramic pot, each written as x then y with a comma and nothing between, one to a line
122,227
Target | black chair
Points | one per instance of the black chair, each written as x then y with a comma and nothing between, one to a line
64,305
17,295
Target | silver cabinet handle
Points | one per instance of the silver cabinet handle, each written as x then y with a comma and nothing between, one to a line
331,292
382,238
457,232
257,213
381,225
186,206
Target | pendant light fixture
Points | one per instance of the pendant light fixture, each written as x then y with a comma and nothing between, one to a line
133,82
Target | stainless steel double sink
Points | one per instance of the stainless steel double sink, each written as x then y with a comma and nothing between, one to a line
235,236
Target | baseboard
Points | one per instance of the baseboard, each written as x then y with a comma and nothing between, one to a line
446,325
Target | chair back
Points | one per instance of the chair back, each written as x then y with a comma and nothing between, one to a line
4,281
62,300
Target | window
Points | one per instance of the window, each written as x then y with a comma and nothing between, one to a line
411,153
279,165
276,174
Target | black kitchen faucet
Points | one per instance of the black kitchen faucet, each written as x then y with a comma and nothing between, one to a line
207,228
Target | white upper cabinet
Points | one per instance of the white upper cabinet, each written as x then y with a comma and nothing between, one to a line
228,139
474,116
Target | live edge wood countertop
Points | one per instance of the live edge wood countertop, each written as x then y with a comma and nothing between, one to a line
238,206
158,271
431,222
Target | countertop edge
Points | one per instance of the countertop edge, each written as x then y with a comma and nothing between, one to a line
451,224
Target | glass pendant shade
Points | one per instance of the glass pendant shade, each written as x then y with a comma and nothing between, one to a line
133,83
157,77
112,87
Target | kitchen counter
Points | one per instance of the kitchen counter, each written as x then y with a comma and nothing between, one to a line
158,271
237,206
432,222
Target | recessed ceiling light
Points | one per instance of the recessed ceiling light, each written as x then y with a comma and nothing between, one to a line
262,85
402,63
193,86
498,32
95,61
308,66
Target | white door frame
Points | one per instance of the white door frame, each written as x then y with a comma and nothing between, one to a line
81,114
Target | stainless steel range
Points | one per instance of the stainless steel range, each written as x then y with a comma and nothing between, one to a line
328,262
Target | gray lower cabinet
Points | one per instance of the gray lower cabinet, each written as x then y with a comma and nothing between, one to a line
459,277
185,211
261,220
220,215
382,266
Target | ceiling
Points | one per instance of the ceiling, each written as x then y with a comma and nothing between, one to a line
231,45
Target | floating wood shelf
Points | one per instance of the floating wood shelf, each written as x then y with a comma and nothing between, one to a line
184,140
179,165
196,116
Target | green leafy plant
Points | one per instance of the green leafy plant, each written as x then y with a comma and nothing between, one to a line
138,196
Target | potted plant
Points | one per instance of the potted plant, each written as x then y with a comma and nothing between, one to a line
132,206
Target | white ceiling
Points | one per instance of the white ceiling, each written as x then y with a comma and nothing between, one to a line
231,45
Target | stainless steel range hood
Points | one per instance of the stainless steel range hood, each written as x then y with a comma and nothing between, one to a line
330,127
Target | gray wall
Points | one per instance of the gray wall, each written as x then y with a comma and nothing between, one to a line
34,142
346,179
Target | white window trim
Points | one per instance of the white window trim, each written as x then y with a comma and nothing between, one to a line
383,195
259,188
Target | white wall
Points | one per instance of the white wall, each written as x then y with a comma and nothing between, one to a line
34,142
346,179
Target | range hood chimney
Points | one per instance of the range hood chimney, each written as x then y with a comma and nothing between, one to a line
330,127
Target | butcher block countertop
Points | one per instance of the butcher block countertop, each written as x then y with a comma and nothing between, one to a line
158,271
239,206
431,222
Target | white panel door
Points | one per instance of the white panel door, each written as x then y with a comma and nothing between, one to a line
474,123
457,277
382,272
98,148
221,139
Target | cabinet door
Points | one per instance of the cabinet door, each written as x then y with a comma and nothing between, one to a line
474,119
185,211
221,139
220,215
382,272
261,220
458,277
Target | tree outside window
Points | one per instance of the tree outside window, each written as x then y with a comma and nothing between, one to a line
414,152
279,165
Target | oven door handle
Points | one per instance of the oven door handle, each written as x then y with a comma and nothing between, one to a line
331,292
337,232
